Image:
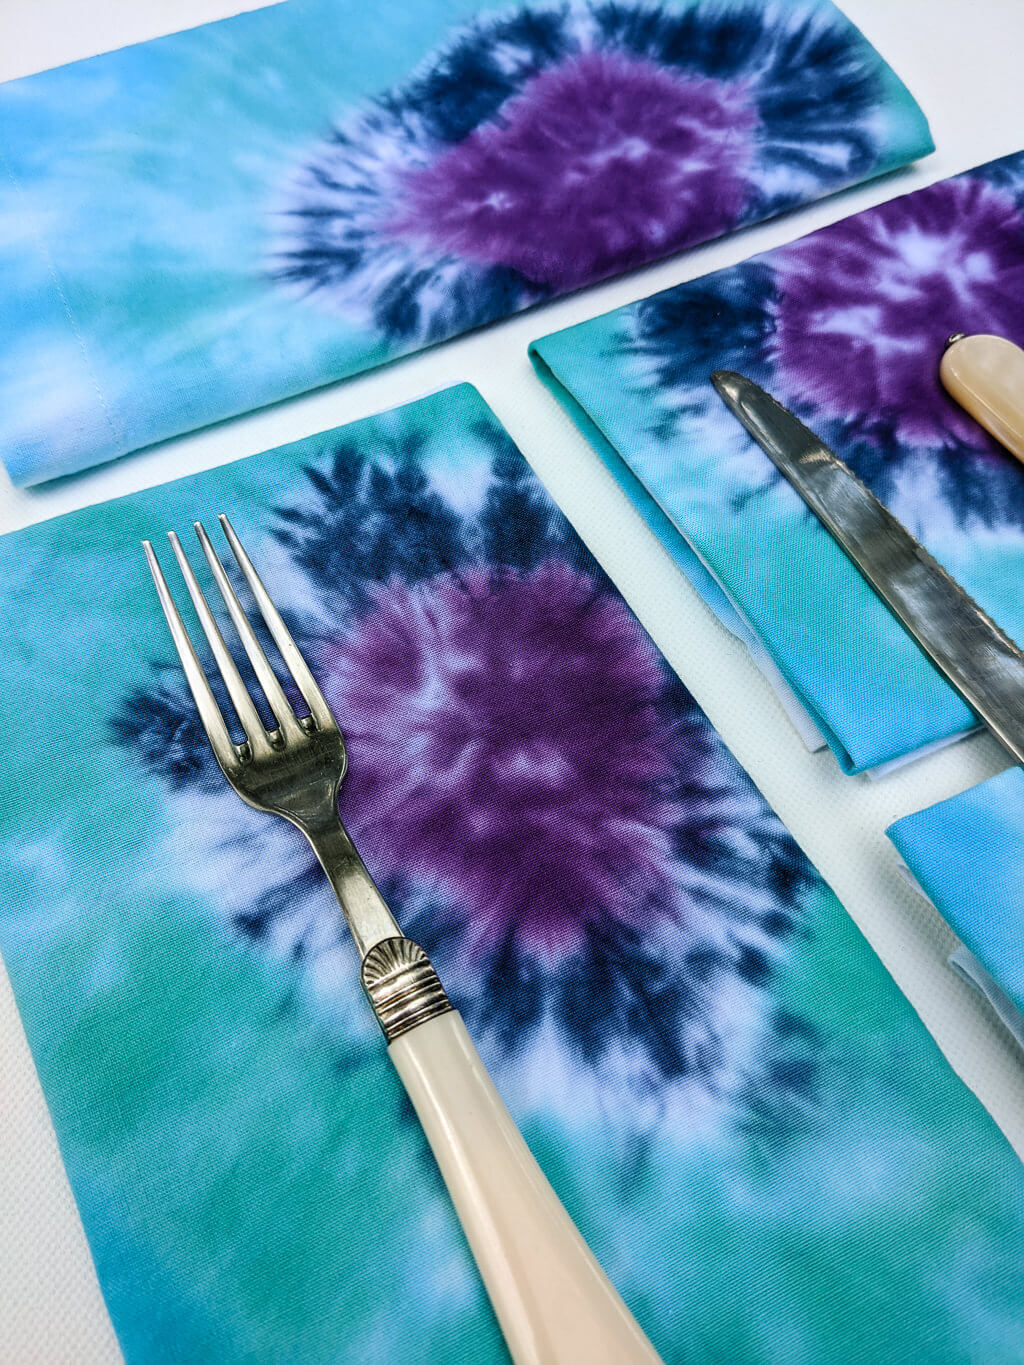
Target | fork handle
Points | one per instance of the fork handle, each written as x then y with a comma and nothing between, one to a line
555,1304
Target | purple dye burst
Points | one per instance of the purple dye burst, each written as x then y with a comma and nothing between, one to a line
866,305
543,804
598,165
547,146
508,750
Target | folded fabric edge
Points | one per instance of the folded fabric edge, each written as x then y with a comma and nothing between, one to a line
904,136
966,965
911,138
814,730
686,557
964,856
26,471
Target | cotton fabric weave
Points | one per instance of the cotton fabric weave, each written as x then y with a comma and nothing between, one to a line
846,327
965,854
747,1120
209,222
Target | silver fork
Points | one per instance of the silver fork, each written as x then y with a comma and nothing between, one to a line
553,1301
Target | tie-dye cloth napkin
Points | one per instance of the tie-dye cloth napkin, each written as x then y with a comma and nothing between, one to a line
846,326
749,1122
209,222
967,856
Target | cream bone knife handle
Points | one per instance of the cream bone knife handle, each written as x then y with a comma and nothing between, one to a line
985,374
553,1301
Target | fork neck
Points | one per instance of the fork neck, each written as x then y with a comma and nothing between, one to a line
366,913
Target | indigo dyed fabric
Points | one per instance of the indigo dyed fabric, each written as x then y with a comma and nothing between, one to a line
749,1123
966,855
846,327
209,222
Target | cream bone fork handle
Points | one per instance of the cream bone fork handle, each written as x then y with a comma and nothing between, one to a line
553,1301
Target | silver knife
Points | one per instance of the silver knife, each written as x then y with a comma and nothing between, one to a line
980,661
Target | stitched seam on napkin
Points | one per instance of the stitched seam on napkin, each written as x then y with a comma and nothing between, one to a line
72,323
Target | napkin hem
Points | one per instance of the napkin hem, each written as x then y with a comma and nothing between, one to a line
963,855
122,384
970,969
813,728
686,557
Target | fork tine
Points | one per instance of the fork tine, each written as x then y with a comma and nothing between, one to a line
267,678
282,636
253,726
199,686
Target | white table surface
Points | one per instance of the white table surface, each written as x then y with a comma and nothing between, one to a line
963,65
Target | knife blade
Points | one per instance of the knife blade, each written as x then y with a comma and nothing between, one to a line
980,661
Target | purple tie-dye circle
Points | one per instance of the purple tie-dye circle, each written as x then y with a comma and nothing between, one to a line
600,164
534,801
866,305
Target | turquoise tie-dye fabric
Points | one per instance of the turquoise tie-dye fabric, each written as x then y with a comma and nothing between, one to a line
749,1123
847,327
209,222
966,855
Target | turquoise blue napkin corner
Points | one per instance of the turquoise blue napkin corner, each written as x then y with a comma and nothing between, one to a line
846,326
967,856
216,220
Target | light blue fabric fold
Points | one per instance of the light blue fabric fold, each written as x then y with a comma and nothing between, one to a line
967,856
846,326
200,225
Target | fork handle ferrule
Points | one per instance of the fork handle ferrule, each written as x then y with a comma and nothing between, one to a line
402,986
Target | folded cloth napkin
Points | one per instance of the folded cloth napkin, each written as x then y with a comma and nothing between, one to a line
846,326
750,1124
213,221
967,856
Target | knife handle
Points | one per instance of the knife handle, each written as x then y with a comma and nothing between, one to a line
985,374
553,1301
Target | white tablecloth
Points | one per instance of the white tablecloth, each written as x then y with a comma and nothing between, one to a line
964,68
